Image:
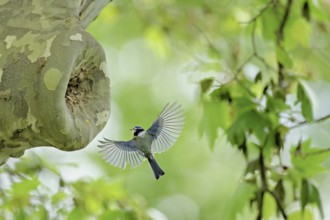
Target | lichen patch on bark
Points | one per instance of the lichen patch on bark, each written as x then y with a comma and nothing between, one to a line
52,78
9,40
76,37
49,42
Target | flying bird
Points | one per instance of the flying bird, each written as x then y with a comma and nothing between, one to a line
162,134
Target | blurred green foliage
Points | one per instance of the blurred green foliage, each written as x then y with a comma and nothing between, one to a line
244,70
26,195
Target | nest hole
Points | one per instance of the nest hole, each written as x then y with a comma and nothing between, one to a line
78,89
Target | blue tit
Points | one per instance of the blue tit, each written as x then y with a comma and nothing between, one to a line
162,134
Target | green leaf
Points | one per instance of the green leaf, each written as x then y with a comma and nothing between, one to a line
214,53
270,23
40,213
310,195
241,199
305,11
20,214
77,213
209,66
292,39
157,41
221,94
258,77
252,166
29,165
304,194
21,190
318,13
283,57
309,163
244,104
92,203
215,115
315,198
306,145
246,123
275,104
306,106
269,206
298,215
111,214
206,84
243,147
58,197
279,191
118,214
278,135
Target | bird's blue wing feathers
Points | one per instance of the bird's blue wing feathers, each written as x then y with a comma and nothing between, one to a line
167,127
118,153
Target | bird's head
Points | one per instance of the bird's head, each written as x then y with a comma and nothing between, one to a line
137,130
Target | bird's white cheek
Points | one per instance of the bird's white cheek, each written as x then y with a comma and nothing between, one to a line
142,134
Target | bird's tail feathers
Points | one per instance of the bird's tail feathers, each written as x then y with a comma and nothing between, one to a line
155,167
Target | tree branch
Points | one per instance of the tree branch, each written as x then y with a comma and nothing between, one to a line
278,202
280,38
209,42
54,88
324,118
280,32
264,185
90,9
254,45
262,10
264,189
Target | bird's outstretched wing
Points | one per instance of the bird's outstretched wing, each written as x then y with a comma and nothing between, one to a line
166,128
118,153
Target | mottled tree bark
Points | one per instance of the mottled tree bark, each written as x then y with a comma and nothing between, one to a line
54,87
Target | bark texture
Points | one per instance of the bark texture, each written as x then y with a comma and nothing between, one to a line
54,87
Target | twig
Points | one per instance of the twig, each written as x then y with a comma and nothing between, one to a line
312,122
278,202
209,42
268,66
253,38
243,64
317,152
262,10
280,38
260,205
264,185
236,73
280,32
89,10
253,42
264,189
254,25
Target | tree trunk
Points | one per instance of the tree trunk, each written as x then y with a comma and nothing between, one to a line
54,87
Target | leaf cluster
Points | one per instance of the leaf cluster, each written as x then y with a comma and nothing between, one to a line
258,104
28,196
